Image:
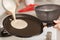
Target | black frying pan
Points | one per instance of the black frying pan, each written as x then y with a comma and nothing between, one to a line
35,26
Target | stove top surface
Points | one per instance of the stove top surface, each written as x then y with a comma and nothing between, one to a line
39,37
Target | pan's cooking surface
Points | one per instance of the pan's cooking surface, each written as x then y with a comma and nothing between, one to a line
34,26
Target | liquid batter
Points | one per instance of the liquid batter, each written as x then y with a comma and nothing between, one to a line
19,24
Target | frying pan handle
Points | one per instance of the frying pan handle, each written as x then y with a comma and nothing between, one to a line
50,24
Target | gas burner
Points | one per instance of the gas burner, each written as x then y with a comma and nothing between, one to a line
4,33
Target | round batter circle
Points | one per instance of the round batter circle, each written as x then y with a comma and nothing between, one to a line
19,24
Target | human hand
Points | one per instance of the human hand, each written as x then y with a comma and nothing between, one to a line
8,13
57,24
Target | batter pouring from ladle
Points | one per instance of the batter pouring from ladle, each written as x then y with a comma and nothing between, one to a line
16,23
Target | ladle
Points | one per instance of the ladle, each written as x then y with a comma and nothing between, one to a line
10,5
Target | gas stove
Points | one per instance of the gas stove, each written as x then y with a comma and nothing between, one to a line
44,36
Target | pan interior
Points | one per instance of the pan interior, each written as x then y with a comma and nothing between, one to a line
19,24
33,26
